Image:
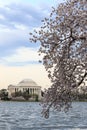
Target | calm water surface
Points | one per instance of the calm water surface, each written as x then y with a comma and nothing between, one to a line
27,116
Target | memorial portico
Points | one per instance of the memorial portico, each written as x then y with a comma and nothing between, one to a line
26,85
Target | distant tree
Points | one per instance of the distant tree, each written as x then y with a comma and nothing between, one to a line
63,38
36,98
17,94
26,95
3,94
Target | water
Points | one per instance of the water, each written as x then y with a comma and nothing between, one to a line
27,116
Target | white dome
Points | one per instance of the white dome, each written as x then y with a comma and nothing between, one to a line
27,82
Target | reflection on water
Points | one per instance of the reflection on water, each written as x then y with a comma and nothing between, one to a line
27,116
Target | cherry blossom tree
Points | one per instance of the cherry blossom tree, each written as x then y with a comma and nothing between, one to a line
63,38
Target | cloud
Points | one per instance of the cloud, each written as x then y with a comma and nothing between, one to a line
22,55
17,19
24,14
8,36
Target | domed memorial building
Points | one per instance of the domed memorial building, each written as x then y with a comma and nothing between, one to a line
26,85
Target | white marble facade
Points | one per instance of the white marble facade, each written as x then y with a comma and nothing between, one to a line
25,85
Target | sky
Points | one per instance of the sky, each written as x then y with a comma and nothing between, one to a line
18,57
